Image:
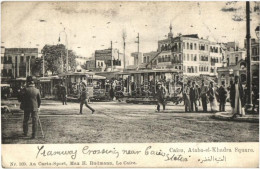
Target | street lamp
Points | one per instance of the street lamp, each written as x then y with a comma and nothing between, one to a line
248,106
257,32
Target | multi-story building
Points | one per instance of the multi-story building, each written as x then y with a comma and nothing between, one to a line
255,50
233,54
194,55
105,60
17,62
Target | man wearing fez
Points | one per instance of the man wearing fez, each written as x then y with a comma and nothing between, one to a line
222,96
31,105
84,97
194,96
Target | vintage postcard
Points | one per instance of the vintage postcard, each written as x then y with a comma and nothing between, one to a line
130,84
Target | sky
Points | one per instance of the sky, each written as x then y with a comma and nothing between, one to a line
93,25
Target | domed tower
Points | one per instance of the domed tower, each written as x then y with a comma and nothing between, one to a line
170,34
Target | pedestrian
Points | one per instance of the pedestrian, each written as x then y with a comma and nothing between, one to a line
187,97
31,104
84,97
255,97
203,95
161,97
194,95
237,98
112,93
212,97
222,97
63,91
198,88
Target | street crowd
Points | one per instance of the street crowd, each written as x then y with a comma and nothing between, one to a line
193,96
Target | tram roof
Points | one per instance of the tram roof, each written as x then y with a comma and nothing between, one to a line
49,77
77,73
150,71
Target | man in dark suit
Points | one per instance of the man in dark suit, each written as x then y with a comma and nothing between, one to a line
160,97
222,96
84,98
194,95
63,91
31,105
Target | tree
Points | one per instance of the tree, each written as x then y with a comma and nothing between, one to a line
55,58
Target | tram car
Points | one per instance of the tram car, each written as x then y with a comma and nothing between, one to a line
140,86
95,85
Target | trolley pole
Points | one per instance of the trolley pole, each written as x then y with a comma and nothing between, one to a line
248,46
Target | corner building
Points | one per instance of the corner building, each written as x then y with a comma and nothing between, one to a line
195,56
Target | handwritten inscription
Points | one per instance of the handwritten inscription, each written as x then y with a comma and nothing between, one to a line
44,153
216,154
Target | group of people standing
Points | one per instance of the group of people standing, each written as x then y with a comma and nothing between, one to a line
194,95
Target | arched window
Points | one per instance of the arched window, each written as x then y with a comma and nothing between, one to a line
191,46
184,57
188,57
191,57
188,45
195,57
195,46
183,45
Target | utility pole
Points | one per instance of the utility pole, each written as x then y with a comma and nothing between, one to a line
138,42
112,66
124,37
248,46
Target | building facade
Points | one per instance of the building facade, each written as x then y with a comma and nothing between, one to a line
17,62
194,55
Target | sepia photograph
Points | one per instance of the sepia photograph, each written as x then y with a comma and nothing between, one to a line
127,72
